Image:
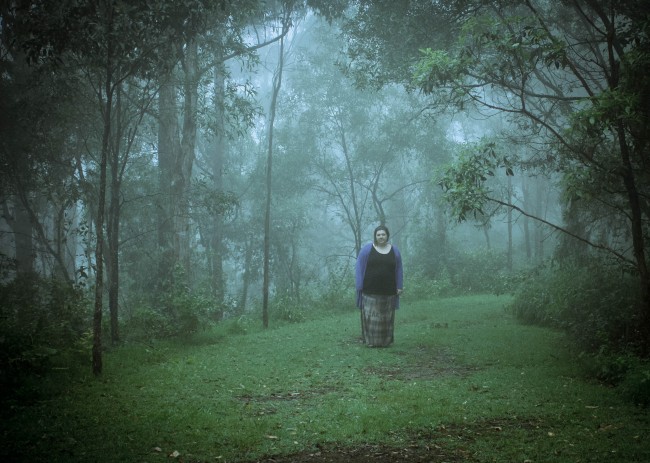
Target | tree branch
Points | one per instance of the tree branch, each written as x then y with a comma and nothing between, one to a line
582,239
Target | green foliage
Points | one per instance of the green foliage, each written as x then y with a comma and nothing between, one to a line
178,311
480,271
332,296
636,383
465,182
44,325
596,304
288,309
241,325
422,287
436,68
146,324
383,38
211,202
630,373
459,272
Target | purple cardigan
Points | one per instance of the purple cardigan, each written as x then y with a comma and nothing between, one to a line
360,271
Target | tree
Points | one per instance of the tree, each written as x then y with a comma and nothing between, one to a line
38,189
382,37
102,42
128,120
277,83
570,77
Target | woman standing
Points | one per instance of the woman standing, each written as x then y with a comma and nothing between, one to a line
379,279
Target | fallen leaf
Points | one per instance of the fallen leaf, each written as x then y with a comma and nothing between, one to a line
175,454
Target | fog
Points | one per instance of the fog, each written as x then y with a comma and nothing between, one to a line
237,156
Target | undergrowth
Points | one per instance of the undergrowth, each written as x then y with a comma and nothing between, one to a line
597,306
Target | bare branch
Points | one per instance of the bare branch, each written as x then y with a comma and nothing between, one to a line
602,247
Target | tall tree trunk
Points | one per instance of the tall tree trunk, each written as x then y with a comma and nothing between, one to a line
218,160
19,220
527,206
277,82
638,239
168,152
113,225
246,279
539,227
509,264
21,207
353,210
101,201
186,160
440,223
486,234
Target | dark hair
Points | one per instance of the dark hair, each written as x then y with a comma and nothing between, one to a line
381,227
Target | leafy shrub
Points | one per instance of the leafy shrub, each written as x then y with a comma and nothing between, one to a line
181,315
179,311
534,299
242,325
335,293
481,271
595,303
636,384
146,324
625,370
288,309
44,324
605,366
420,287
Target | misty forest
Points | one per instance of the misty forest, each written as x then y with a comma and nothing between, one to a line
186,186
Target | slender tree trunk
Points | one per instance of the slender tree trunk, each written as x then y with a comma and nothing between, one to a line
295,271
539,228
634,199
23,206
188,144
101,201
218,160
510,224
638,241
527,206
248,263
19,220
277,82
113,226
168,151
486,234
354,216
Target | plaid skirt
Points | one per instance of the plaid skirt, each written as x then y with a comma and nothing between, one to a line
377,320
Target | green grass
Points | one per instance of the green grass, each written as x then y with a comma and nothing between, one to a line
462,378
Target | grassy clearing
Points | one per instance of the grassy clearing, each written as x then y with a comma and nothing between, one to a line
463,380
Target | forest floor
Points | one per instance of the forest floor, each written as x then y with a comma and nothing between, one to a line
463,382
371,454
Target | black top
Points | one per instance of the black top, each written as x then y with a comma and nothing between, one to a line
380,274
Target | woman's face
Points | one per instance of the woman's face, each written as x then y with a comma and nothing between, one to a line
381,237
